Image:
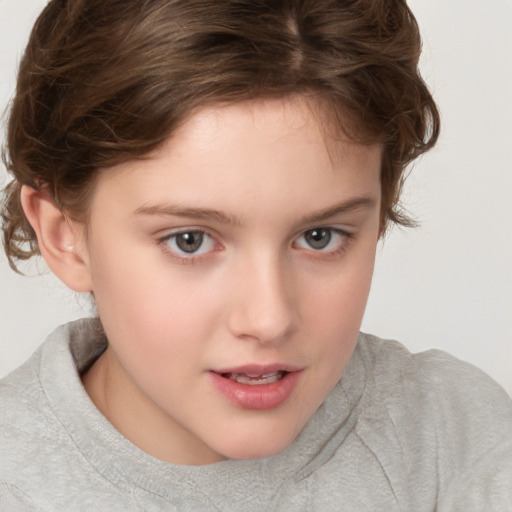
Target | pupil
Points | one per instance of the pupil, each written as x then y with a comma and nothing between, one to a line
189,242
318,238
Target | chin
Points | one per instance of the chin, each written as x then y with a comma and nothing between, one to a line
260,446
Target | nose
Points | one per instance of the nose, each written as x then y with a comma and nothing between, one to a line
264,306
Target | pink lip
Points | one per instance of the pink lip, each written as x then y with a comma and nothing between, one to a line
261,396
259,369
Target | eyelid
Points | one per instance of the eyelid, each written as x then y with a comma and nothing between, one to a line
184,257
165,234
345,238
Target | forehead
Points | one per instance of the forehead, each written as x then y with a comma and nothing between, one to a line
248,154
265,121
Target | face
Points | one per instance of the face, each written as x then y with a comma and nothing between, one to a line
230,270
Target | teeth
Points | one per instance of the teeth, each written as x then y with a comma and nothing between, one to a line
253,379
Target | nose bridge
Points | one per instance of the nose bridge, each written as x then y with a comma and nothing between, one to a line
264,306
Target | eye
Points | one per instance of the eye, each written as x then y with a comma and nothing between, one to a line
322,239
191,242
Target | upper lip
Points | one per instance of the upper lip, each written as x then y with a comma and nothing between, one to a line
258,369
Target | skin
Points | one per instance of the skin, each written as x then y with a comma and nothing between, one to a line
255,178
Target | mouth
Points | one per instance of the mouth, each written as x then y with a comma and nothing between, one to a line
257,387
254,379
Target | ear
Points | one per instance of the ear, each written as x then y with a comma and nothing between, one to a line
60,242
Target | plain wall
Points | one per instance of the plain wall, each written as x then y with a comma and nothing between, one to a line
446,284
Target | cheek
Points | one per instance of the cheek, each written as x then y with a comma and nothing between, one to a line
335,312
341,300
140,299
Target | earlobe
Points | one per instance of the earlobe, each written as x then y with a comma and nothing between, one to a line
58,242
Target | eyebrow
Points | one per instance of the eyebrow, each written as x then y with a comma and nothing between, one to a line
347,206
209,214
163,210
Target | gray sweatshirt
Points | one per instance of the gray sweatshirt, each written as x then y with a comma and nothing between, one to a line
400,432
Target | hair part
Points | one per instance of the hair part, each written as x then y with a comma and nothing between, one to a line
106,81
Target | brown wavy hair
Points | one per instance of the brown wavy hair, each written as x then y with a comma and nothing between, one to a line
105,81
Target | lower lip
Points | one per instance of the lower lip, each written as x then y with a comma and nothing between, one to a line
258,397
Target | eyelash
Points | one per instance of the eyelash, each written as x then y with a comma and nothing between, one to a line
181,257
346,238
342,245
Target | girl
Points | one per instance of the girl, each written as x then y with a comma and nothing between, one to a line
217,176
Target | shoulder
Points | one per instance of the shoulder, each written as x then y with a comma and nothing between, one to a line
42,403
24,426
28,410
34,445
434,378
27,421
450,419
22,397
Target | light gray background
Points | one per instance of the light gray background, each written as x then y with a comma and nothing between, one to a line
447,284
